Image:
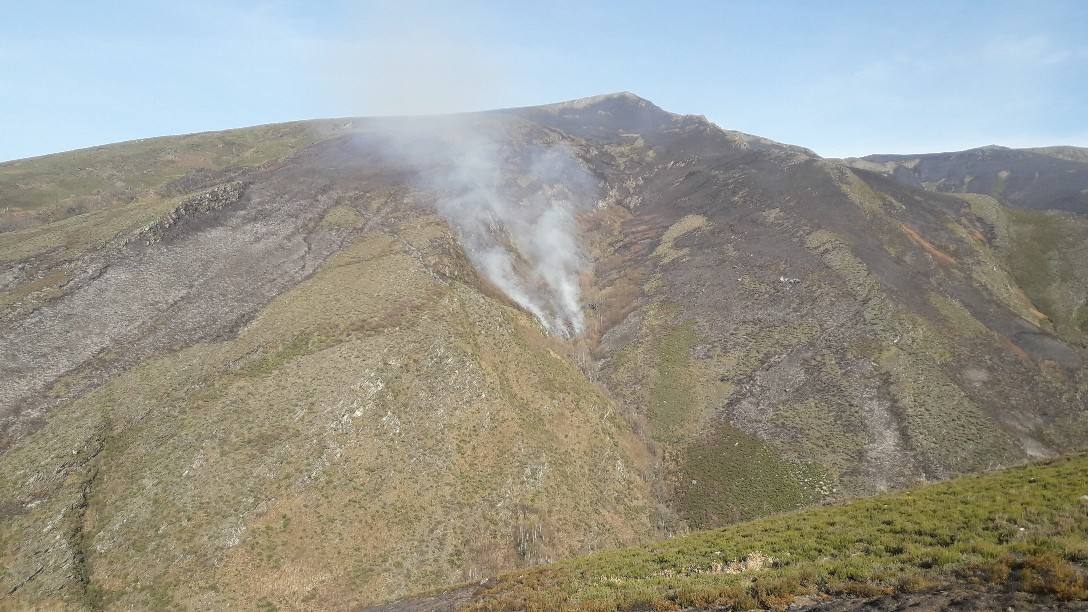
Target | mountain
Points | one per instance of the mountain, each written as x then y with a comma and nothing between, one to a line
336,362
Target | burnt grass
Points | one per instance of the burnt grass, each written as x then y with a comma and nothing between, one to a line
302,388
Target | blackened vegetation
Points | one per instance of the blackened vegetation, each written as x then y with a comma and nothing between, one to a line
294,348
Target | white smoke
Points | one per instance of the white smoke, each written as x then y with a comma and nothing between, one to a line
512,202
509,189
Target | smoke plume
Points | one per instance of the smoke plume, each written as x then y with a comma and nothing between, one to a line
511,196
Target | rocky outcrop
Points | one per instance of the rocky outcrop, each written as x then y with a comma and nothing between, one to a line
210,201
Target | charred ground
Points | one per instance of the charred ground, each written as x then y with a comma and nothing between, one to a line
257,364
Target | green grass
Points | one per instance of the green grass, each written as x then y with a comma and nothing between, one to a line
1025,528
1081,319
672,397
1048,258
715,483
1038,234
122,168
734,477
948,430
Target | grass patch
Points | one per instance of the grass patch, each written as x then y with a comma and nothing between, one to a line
671,396
1038,233
342,217
734,477
1048,258
1023,528
947,429
960,320
1081,318
121,169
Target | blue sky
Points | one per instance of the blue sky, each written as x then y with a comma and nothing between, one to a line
842,78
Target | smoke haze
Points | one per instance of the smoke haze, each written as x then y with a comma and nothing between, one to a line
509,193
512,200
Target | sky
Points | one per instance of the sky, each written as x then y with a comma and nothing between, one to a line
841,78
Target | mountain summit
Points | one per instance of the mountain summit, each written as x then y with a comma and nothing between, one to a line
331,363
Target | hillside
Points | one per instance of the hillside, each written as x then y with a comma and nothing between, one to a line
295,364
1023,530
1042,178
1044,198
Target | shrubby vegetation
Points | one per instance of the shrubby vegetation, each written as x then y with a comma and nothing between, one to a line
1026,528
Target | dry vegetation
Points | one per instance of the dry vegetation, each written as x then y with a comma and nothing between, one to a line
415,428
767,331
1025,528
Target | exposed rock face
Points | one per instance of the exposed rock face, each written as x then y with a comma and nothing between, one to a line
282,378
209,201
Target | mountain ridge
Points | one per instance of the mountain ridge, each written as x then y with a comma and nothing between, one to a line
276,335
1038,177
1071,152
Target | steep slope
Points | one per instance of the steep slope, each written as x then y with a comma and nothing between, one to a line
752,293
981,540
302,394
1037,199
262,365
